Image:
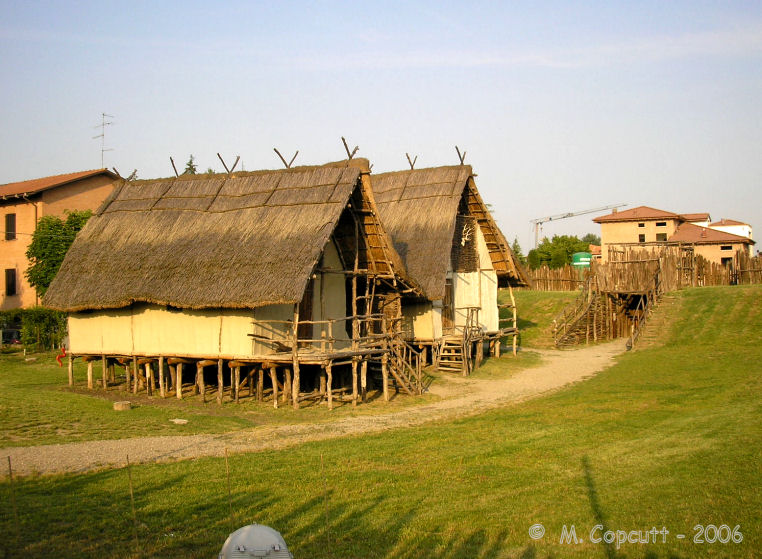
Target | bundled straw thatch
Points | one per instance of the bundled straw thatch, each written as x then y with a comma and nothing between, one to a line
419,210
241,241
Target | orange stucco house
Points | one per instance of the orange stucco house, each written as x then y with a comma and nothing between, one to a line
22,204
649,227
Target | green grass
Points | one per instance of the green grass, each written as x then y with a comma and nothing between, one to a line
38,407
666,437
536,311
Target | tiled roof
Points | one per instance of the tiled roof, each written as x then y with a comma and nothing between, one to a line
704,216
724,221
46,183
636,214
689,233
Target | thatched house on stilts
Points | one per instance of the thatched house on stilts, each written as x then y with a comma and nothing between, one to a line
203,283
452,247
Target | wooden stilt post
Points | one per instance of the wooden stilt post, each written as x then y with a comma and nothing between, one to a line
479,353
104,366
90,375
237,383
321,389
329,383
127,376
111,371
200,381
149,379
385,375
134,375
274,380
354,382
287,385
220,383
179,382
71,370
173,377
250,380
295,358
364,380
260,383
161,376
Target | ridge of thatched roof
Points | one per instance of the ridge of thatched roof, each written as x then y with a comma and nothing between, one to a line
207,241
419,208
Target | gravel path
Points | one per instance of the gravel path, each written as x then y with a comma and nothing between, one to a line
460,397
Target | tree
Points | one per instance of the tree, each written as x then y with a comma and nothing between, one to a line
557,252
190,167
516,248
50,242
591,239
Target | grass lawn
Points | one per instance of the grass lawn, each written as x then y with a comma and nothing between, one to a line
536,311
38,407
668,437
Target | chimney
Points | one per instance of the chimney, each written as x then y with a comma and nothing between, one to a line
703,232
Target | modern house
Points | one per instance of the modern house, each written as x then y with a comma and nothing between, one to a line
650,227
451,247
287,271
22,204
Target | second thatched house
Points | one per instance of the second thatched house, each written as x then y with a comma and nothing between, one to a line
287,271
452,247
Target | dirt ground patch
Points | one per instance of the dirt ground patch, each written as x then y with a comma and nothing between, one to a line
459,397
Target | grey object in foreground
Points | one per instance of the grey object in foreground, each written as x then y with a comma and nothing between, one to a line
255,540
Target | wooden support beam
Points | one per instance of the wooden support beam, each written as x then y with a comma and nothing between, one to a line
295,358
220,383
173,377
385,375
104,372
71,370
90,375
364,380
200,379
329,380
354,383
260,384
134,375
179,381
161,376
274,380
237,382
287,385
149,379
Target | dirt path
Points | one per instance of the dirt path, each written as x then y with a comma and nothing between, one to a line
460,397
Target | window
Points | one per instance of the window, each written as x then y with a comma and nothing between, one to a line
10,227
641,224
10,282
661,237
641,238
727,262
661,224
726,247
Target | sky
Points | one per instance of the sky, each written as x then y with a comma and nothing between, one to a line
560,106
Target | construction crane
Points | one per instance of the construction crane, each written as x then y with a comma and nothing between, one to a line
540,220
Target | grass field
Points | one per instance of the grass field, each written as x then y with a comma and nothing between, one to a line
668,437
536,310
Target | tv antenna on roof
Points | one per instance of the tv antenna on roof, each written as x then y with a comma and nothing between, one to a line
102,135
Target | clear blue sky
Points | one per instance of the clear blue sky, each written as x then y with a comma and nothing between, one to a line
560,106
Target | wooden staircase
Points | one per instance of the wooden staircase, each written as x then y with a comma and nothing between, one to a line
454,355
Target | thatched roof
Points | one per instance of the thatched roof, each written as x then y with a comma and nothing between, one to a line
419,209
240,241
